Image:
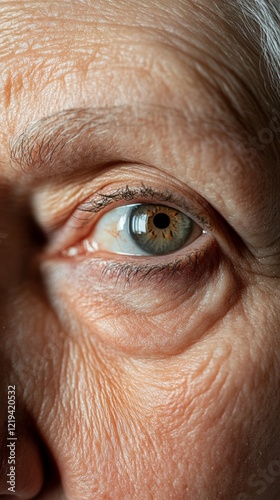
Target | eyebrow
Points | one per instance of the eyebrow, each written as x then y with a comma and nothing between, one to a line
85,140
90,135
43,142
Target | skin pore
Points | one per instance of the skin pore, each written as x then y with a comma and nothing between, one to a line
137,377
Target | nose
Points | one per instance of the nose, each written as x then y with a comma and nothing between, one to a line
21,466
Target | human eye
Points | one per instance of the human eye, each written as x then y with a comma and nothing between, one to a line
156,240
141,229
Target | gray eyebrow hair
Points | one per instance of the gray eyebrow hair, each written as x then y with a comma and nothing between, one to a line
42,142
89,136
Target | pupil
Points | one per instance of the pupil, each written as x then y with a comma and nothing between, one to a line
161,221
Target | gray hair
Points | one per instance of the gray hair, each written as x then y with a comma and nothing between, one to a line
261,23
250,40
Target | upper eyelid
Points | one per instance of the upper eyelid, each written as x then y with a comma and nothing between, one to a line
83,218
102,201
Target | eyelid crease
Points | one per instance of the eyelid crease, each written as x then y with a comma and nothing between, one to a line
95,205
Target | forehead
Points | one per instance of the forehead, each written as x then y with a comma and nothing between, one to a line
77,29
86,52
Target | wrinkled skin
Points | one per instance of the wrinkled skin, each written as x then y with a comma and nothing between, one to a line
154,384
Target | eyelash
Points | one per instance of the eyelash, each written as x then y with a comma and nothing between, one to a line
146,271
143,192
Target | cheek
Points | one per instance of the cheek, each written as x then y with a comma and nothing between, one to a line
202,421
156,316
217,408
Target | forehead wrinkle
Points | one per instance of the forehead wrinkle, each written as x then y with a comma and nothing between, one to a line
178,32
187,27
180,24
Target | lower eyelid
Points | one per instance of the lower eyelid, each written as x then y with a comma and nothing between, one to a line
84,251
191,268
99,290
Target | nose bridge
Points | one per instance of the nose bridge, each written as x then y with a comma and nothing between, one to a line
21,468
20,238
13,242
